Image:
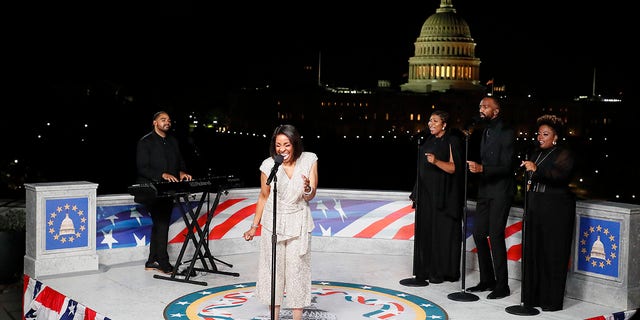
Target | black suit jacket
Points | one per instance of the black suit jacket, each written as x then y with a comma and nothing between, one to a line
497,156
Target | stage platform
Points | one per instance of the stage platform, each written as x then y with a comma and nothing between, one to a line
127,291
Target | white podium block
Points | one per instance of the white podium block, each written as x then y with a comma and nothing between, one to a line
60,228
606,266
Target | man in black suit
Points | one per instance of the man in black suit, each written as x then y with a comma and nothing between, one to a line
158,159
496,188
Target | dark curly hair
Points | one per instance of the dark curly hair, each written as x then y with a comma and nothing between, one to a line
554,122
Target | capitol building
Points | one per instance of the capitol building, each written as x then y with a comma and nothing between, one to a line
444,56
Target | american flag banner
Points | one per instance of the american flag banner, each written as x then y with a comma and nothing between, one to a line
622,315
130,225
41,302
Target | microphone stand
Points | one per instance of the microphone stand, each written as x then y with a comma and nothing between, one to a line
521,309
463,295
413,281
274,241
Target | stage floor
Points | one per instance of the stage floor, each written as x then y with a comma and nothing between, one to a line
127,291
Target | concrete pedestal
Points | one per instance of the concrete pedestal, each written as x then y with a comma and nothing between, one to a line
60,228
606,266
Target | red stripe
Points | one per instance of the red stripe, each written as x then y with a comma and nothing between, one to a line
405,232
89,314
514,252
220,230
514,228
51,299
179,238
377,226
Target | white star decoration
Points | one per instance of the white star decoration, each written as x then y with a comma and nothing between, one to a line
135,214
112,218
140,242
338,207
108,239
325,232
72,308
177,315
320,206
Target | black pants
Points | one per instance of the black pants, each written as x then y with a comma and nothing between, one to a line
160,210
490,221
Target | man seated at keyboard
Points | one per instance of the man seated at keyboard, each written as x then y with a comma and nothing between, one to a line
158,158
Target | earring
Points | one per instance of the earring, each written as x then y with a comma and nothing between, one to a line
554,142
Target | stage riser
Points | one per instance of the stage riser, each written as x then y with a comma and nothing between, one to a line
365,221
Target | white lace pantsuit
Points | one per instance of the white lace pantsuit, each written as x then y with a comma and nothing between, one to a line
295,268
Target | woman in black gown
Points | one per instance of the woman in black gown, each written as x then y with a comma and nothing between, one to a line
438,197
550,216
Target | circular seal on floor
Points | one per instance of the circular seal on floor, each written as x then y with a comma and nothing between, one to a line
330,301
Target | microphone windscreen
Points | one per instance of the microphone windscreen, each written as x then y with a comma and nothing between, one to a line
278,158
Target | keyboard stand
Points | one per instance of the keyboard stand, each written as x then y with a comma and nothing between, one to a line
199,239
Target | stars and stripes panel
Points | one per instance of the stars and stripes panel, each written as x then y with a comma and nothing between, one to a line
130,225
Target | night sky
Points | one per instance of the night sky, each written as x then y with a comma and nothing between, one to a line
70,61
547,48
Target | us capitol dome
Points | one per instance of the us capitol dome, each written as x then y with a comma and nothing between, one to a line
444,57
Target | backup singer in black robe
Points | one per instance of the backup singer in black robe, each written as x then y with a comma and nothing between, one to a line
438,197
551,210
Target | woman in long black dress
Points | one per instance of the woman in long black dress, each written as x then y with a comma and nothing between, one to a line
550,217
438,196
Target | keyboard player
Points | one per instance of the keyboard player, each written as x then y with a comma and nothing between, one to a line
158,159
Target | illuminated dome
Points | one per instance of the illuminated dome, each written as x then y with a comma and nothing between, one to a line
444,56
445,25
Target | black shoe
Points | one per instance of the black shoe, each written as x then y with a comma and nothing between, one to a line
499,293
152,265
482,286
166,267
414,282
162,267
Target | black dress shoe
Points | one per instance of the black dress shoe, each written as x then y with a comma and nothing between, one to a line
151,265
499,293
414,282
165,268
482,286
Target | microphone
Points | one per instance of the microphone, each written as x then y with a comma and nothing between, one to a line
278,158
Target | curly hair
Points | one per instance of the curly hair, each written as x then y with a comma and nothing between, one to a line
553,121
